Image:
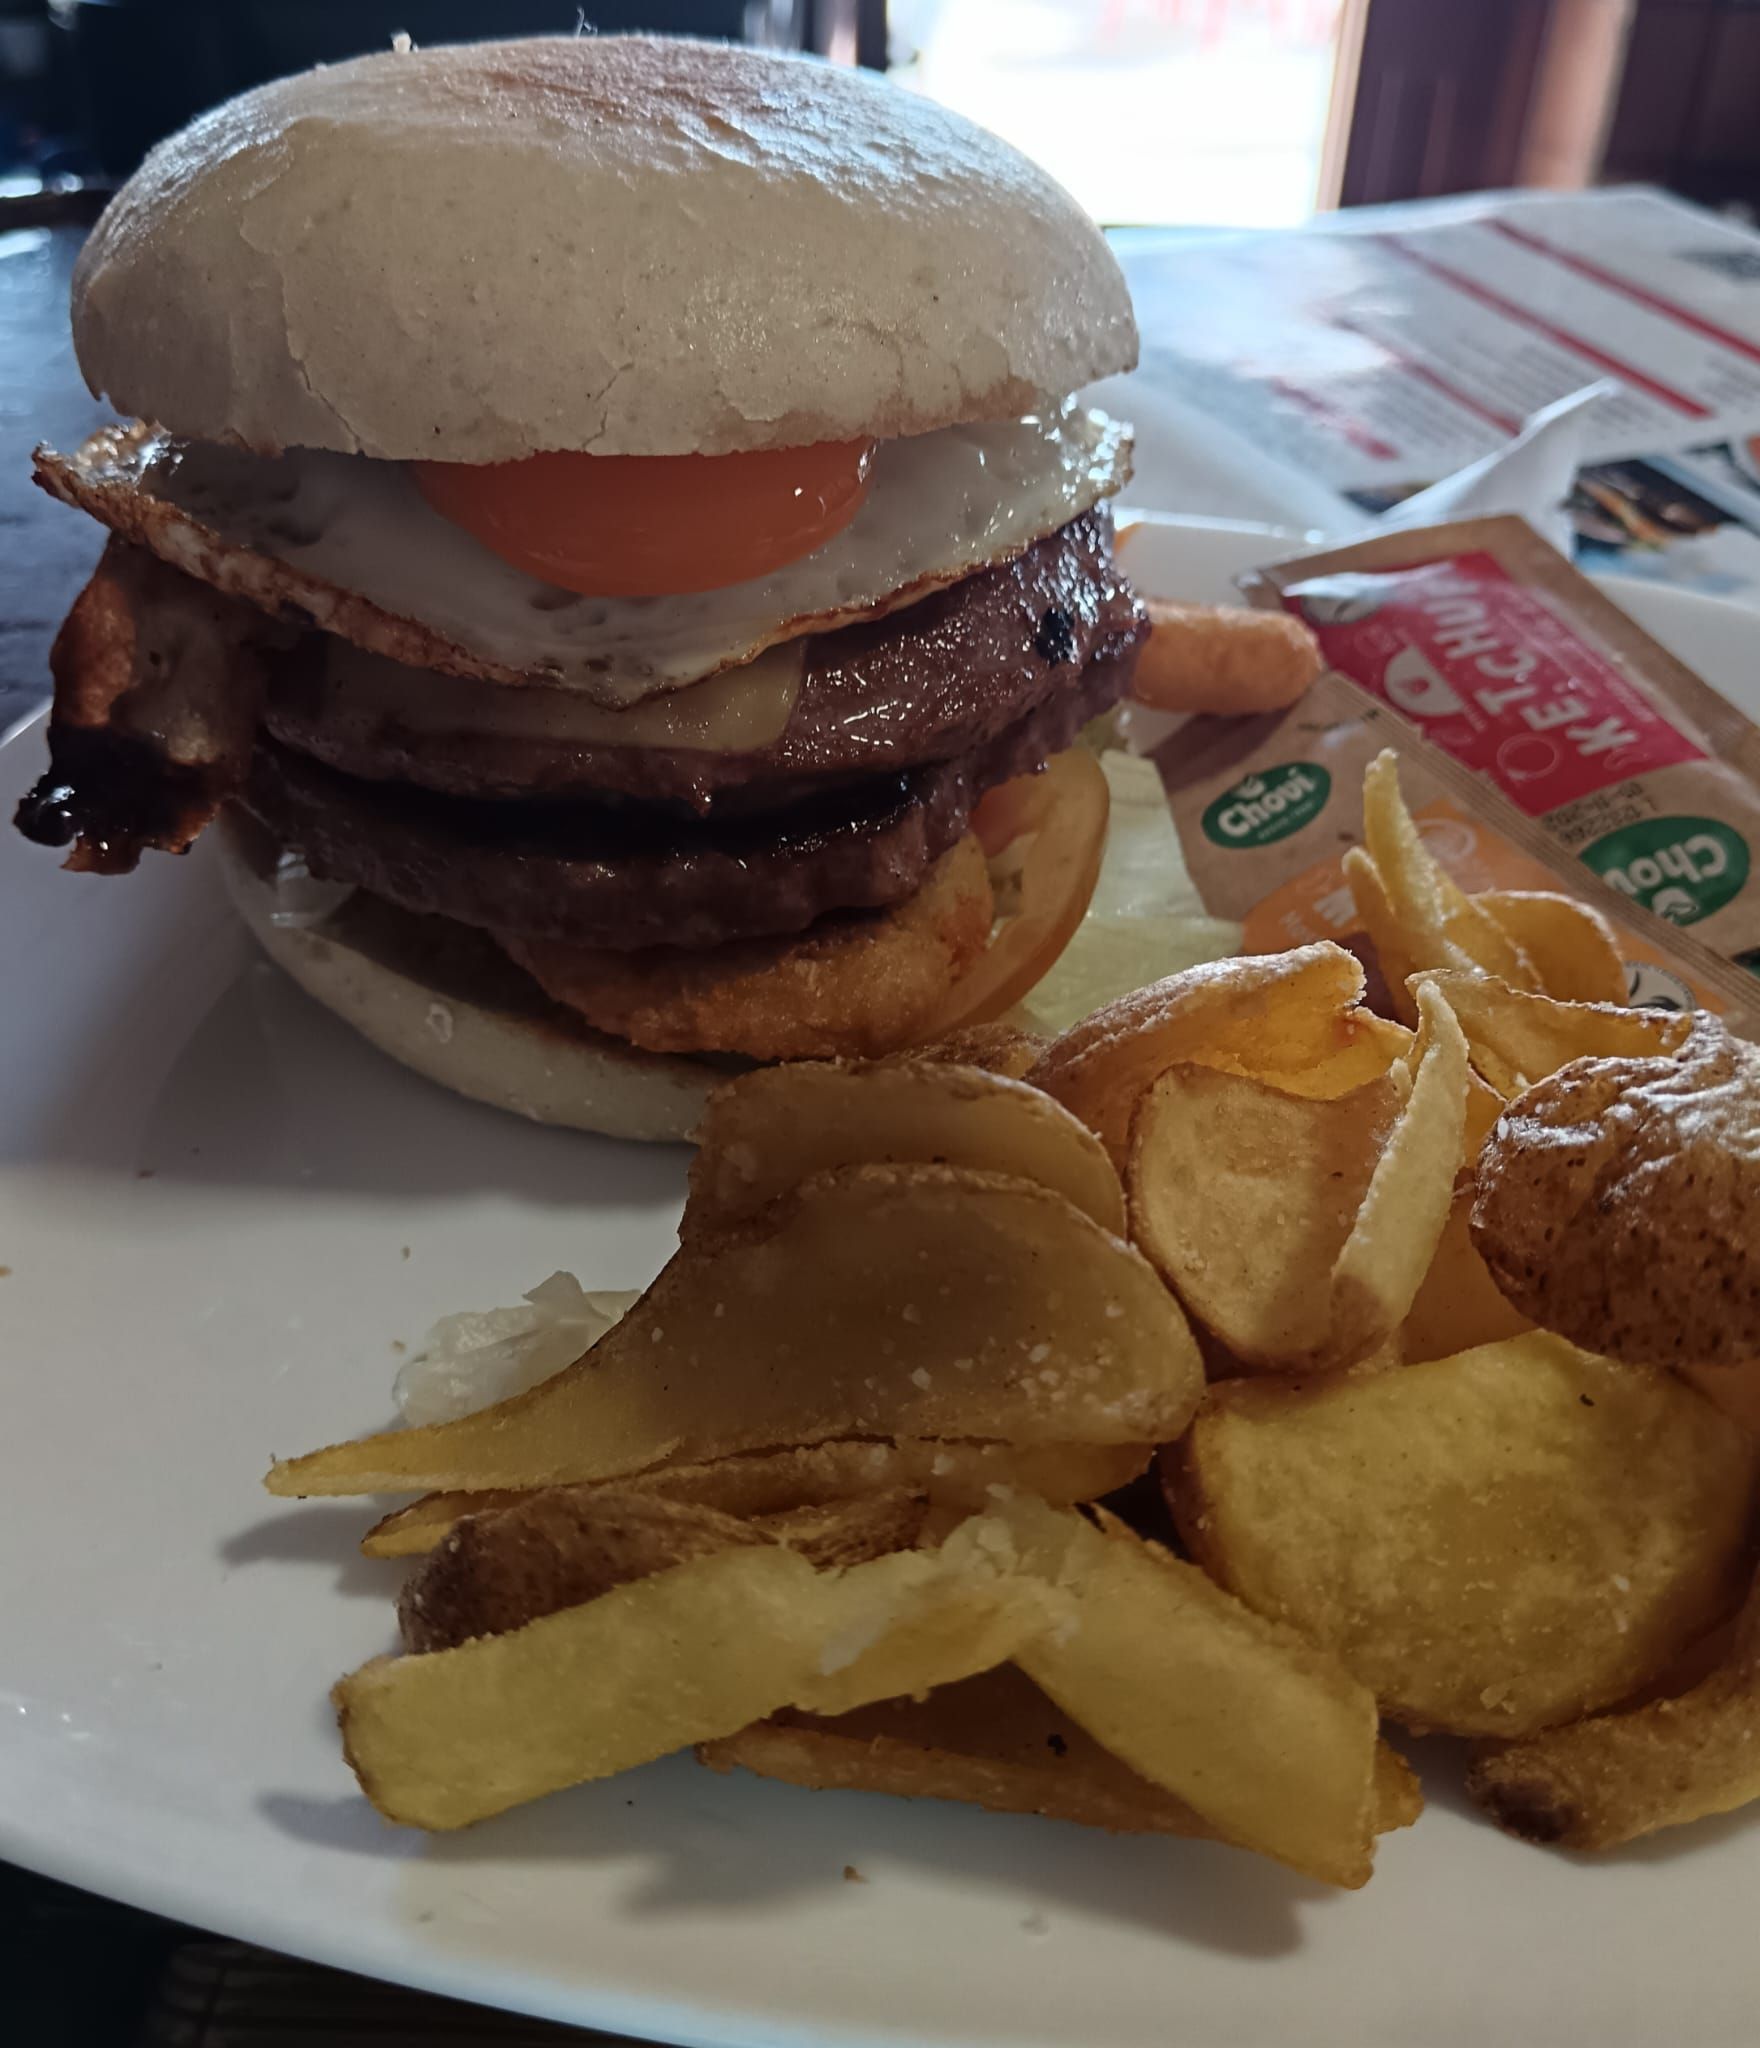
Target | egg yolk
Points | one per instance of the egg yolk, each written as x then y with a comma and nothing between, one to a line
650,525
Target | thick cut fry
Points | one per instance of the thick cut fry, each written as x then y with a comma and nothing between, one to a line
1494,1542
1438,923
993,1741
1394,1237
884,1300
685,1656
765,1133
1274,1013
1244,1197
1605,1781
1517,1038
951,1472
1208,658
1571,945
1266,1737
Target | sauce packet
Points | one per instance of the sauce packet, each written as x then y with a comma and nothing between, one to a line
1266,807
1519,671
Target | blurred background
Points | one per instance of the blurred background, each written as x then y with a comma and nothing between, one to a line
1244,113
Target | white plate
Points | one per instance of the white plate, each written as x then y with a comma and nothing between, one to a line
168,1631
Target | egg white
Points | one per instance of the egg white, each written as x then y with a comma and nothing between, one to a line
352,543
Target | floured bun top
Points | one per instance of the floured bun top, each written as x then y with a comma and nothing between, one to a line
630,245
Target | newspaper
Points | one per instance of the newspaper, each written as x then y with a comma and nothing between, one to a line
1375,353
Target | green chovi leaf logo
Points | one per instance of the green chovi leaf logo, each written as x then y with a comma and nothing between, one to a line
1681,868
1268,806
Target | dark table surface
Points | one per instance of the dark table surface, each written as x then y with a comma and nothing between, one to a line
76,1971
46,551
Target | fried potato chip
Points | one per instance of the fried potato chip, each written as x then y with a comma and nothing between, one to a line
1376,1047
1517,1037
1618,1202
755,1484
1243,1197
1438,924
1601,1782
1459,1306
765,1133
1263,1735
881,1300
1570,944
993,1741
1299,1231
687,1655
1493,1542
1273,1013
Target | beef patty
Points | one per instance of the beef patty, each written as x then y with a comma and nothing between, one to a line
627,875
937,681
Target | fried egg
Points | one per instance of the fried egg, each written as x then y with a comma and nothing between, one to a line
351,543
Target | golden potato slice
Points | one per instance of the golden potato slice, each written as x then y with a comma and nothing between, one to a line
1618,1202
1517,1037
952,1472
687,1655
1459,1306
1263,1735
1570,944
1271,1013
1299,1231
1243,1197
765,1133
1377,1046
993,1741
1493,1542
1437,923
882,1300
1601,1782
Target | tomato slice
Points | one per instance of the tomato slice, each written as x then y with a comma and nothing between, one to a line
1065,808
653,525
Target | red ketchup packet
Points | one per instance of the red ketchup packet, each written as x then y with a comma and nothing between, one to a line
1511,664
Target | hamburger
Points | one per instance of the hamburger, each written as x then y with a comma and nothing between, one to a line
603,529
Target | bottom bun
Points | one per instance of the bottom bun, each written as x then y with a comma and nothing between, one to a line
443,1000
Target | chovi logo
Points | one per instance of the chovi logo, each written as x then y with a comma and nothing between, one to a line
1263,808
1681,868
